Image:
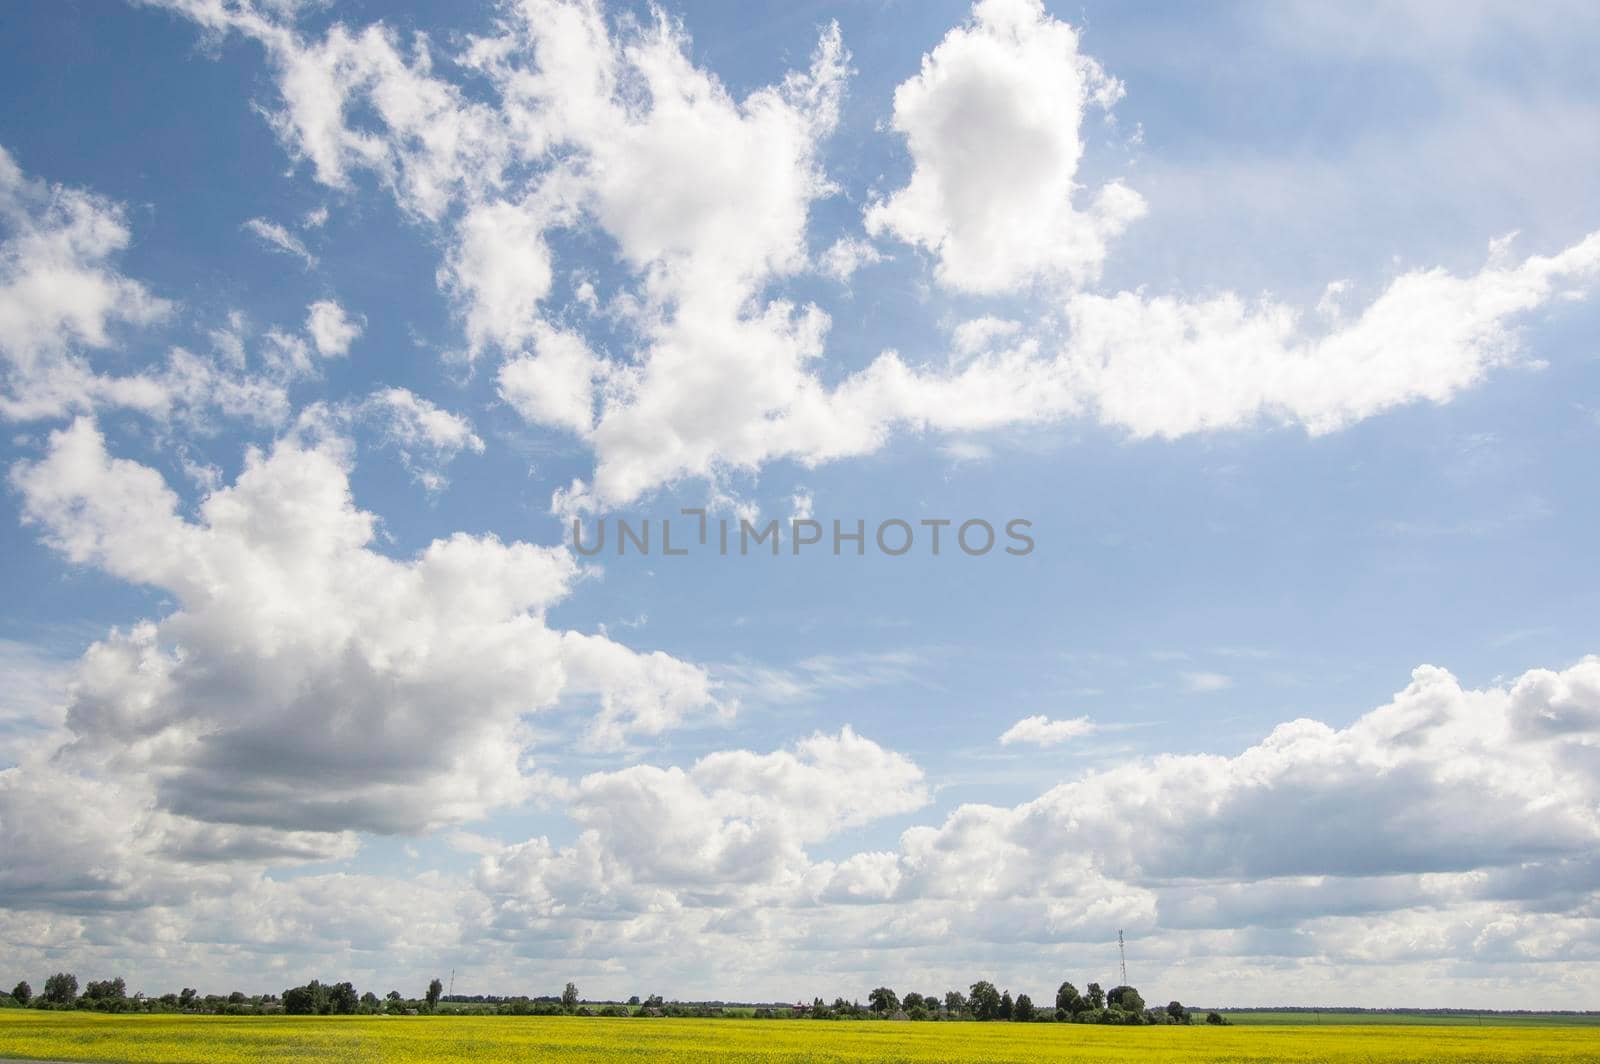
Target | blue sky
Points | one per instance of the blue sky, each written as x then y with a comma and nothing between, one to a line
1221,302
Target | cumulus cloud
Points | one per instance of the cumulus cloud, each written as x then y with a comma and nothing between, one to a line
87,842
302,679
500,271
331,328
556,384
1042,731
61,297
732,827
1314,801
993,124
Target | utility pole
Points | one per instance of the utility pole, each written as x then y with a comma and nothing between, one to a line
452,983
1122,953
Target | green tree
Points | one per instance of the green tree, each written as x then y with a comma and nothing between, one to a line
1178,1013
435,990
1022,1011
1095,996
954,1003
308,1000
22,992
1068,1000
1215,1019
983,1000
883,999
569,997
105,993
61,989
343,999
1006,1005
1125,998
187,996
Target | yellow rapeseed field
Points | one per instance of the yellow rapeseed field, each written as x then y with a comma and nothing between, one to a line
494,1040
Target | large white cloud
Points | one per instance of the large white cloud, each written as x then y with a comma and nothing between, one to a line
1441,781
1169,366
993,123
729,832
306,681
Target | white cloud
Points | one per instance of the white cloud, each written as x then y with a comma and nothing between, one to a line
1383,797
500,269
280,239
992,122
34,698
977,335
60,297
1167,366
847,255
733,826
194,387
555,386
427,436
60,300
301,680
415,421
331,328
801,505
1042,731
1206,681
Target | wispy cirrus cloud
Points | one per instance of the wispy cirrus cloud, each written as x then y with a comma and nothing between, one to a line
280,239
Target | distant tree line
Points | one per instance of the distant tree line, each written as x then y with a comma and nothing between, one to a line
313,999
982,1002
985,1003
